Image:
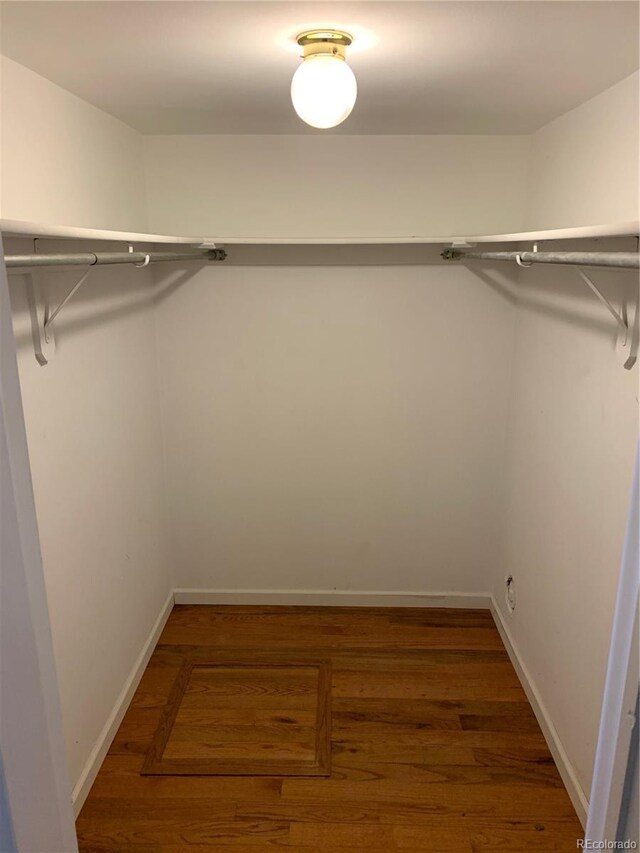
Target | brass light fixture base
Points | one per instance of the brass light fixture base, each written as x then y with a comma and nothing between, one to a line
324,42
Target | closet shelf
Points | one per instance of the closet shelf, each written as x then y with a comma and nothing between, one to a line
19,228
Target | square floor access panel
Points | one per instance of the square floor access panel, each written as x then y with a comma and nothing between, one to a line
245,714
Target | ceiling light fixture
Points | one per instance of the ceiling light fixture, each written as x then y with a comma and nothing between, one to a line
323,89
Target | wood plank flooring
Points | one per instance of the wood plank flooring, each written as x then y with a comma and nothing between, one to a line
434,747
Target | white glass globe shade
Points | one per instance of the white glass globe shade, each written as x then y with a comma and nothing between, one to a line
323,90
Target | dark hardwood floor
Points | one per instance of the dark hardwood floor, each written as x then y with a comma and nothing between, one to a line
434,746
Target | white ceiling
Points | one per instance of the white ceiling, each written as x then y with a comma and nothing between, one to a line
422,67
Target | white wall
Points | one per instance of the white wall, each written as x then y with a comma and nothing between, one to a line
336,427
95,449
584,165
581,169
336,186
573,429
63,161
95,171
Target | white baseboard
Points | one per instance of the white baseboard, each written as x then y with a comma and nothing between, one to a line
334,597
99,751
565,768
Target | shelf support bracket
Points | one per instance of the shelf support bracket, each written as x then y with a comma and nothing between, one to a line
49,318
622,323
43,348
627,343
41,317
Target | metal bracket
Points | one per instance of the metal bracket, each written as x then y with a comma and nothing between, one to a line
451,252
145,262
49,318
627,342
519,260
44,346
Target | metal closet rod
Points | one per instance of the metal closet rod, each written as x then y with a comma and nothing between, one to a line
93,259
620,260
